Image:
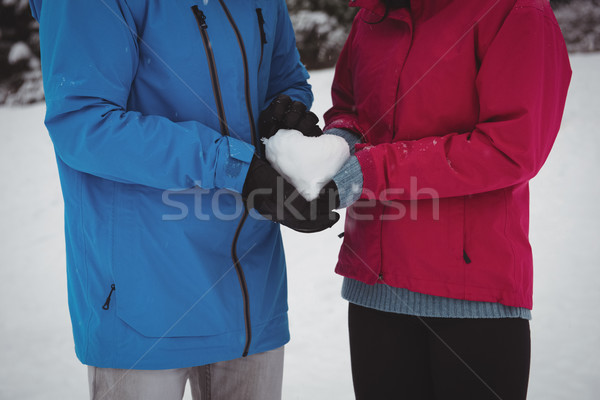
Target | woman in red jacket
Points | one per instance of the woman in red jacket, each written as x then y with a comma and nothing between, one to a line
452,107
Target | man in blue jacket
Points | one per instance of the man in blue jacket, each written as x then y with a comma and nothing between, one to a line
152,108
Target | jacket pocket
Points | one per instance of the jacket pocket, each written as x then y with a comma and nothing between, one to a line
172,277
424,240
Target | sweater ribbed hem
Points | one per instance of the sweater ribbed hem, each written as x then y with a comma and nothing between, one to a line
402,301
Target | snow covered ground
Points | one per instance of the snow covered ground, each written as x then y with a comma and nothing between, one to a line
36,351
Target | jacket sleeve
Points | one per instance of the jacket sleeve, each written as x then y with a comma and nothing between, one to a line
287,73
522,86
342,114
89,58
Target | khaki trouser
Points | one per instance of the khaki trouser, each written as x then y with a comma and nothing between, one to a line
256,377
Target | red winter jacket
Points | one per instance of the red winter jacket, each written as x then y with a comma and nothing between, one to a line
459,103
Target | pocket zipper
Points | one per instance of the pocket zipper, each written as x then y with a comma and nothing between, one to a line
107,302
263,34
212,65
466,257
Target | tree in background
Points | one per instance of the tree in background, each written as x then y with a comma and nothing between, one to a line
579,21
556,3
323,25
321,29
20,75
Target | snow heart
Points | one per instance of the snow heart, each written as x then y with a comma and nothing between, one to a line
308,163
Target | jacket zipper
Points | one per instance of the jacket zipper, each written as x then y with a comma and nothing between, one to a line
107,302
242,279
212,65
238,266
263,35
201,20
246,74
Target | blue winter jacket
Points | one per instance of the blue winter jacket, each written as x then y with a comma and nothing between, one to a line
152,108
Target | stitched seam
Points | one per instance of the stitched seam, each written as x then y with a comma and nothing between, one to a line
437,281
112,267
90,304
553,21
512,249
464,245
207,386
94,380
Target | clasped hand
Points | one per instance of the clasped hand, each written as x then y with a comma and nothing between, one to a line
271,194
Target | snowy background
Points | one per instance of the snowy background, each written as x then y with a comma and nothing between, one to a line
321,28
36,348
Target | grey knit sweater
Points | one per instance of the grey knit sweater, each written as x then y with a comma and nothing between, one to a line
349,181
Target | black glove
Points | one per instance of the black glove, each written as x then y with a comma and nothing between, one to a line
276,199
283,113
301,120
329,196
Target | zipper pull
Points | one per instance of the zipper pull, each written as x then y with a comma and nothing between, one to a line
107,302
466,257
200,17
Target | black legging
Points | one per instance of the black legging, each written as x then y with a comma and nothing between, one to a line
396,356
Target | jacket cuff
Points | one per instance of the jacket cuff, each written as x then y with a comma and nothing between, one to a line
369,170
344,122
349,181
233,162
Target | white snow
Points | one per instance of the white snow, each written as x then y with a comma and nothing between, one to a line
308,163
19,51
36,348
